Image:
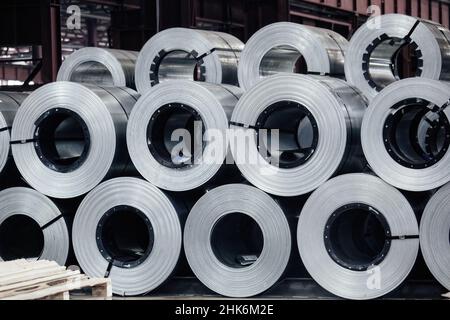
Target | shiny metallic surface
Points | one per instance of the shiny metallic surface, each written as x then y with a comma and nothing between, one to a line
434,236
158,210
406,96
100,66
371,62
278,47
338,110
249,279
37,207
98,117
213,105
9,104
180,53
391,269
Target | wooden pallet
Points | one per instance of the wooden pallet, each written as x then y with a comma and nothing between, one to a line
45,280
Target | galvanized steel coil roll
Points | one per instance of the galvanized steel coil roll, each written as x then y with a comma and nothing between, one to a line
100,66
319,121
377,51
358,237
9,104
406,134
434,236
290,47
128,230
203,110
31,227
237,241
68,137
181,53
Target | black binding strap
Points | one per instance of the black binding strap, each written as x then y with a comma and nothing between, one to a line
108,270
315,73
403,237
200,58
24,141
236,124
51,222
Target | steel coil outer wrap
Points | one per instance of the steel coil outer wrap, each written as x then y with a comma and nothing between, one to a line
174,105
67,137
96,235
325,115
25,212
100,66
277,48
222,276
9,104
178,53
434,236
340,261
371,60
406,134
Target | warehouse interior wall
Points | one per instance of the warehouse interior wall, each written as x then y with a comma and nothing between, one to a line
32,56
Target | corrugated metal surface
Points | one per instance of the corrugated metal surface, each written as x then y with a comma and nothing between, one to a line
436,10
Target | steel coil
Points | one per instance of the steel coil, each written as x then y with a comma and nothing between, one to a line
434,236
32,227
68,137
100,66
374,57
9,104
180,53
358,237
237,241
319,121
406,134
290,47
128,230
197,107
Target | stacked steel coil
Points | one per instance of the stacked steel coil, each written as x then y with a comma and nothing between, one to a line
289,47
180,53
196,107
237,241
406,134
9,104
372,61
238,169
72,136
434,236
100,66
319,121
128,230
358,236
32,226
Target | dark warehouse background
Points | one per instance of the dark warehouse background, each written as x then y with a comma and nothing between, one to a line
34,37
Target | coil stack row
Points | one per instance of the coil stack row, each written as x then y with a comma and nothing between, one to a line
238,163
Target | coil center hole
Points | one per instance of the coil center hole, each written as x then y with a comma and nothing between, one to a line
391,60
357,237
417,133
175,136
237,240
92,72
298,134
125,236
179,65
21,237
282,59
62,140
